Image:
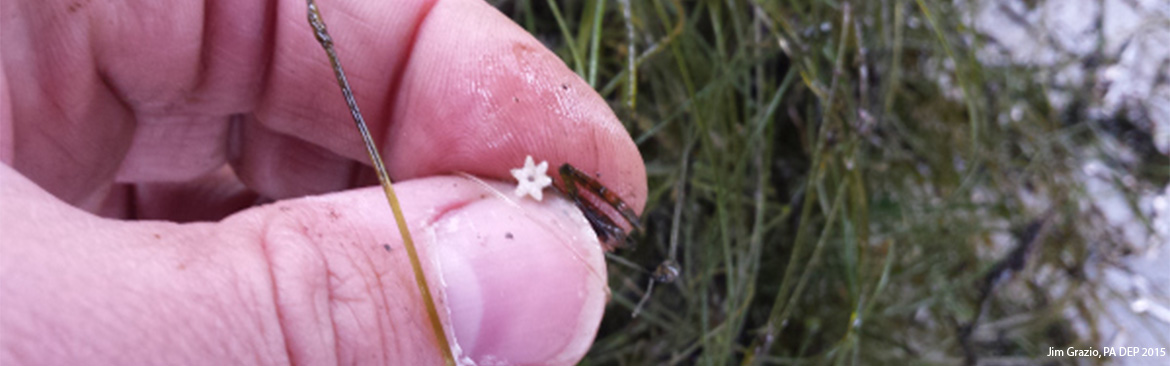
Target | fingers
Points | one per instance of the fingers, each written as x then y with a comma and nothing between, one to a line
280,166
124,89
306,281
480,101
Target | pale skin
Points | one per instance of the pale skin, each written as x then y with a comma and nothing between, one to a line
111,112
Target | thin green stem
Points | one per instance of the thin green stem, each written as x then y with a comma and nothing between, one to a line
578,61
595,42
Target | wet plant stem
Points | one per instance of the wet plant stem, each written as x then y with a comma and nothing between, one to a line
420,279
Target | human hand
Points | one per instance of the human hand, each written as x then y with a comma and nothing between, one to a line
131,109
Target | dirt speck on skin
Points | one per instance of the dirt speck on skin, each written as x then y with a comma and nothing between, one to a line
74,7
522,51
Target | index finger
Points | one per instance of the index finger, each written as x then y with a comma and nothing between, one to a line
446,85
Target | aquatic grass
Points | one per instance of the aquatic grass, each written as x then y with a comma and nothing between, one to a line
840,182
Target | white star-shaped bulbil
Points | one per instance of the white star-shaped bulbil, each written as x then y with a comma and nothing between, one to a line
531,179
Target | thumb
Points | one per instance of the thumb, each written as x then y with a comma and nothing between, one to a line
305,281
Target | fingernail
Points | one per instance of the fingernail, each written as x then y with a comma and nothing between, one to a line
524,281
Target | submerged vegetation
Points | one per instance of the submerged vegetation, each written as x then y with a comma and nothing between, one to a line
841,182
